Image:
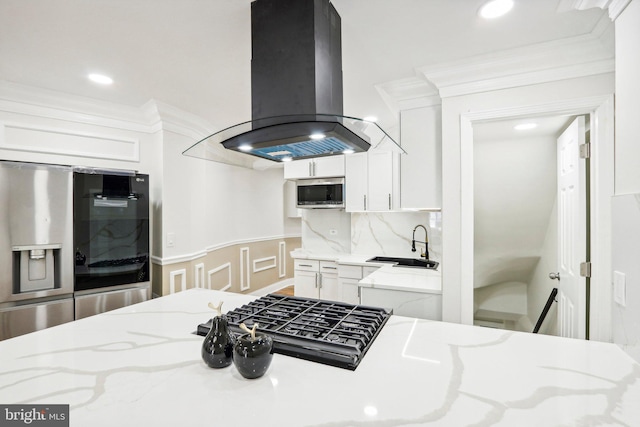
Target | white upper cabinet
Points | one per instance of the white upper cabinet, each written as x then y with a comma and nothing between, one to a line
321,167
371,181
421,167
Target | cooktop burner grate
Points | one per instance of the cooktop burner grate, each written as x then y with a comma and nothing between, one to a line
329,332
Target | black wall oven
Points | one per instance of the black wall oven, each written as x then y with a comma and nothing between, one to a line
111,239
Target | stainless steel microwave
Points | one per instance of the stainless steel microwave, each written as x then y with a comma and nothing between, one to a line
327,193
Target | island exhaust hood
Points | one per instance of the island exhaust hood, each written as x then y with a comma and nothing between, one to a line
296,89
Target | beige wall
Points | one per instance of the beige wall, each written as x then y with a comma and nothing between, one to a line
241,268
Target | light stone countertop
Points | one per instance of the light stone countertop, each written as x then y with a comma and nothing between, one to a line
387,276
141,365
404,279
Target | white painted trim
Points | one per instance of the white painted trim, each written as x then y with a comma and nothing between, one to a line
617,7
198,274
600,250
210,273
282,258
245,274
272,288
31,101
172,280
529,78
266,267
602,191
48,148
195,255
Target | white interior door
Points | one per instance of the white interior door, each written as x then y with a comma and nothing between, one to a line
572,231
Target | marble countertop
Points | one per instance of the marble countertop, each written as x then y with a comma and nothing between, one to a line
387,276
404,279
141,365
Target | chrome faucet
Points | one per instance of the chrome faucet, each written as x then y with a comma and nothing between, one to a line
424,254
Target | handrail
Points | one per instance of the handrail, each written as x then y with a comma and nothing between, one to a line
545,310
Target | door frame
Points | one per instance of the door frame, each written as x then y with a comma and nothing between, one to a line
601,111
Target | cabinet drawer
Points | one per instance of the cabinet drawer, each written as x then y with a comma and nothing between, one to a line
329,267
350,271
306,265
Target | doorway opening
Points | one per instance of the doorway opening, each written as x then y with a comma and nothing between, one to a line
600,113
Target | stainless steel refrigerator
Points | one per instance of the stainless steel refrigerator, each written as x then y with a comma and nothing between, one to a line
36,247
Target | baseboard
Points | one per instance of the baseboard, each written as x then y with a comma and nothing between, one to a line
272,288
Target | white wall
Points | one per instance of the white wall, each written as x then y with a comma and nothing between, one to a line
626,256
626,209
514,192
627,28
457,235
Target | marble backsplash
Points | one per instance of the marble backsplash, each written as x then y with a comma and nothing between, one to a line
380,233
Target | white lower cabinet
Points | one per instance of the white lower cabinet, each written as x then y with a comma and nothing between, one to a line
404,303
316,279
348,278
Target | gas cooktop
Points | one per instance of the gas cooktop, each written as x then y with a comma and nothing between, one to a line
333,333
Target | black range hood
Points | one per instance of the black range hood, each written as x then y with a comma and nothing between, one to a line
296,88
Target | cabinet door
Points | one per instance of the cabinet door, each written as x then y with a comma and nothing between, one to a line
329,288
356,177
298,169
322,167
421,167
326,167
306,284
380,195
349,291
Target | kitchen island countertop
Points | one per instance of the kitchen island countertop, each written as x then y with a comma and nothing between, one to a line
141,365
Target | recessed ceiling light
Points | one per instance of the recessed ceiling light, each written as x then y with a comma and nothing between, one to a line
100,78
245,147
525,126
317,136
495,8
371,119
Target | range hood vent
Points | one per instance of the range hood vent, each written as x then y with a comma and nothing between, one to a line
296,89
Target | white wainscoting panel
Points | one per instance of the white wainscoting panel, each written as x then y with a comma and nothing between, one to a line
198,272
269,266
282,258
182,273
210,274
245,264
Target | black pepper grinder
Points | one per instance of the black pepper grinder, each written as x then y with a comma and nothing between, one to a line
217,347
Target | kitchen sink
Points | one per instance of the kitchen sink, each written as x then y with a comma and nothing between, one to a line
406,262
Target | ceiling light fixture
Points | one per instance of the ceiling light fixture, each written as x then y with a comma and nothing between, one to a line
495,8
100,78
525,126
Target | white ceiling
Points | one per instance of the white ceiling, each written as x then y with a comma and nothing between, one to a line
195,54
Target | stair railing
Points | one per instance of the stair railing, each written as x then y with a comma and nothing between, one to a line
545,310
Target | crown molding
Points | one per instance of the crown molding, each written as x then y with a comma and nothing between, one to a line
613,7
44,103
544,62
617,7
562,59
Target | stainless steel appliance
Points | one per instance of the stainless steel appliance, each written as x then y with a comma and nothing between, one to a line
36,252
323,193
111,240
333,333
